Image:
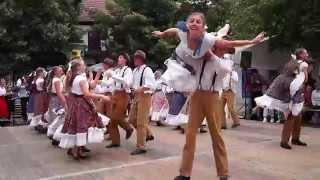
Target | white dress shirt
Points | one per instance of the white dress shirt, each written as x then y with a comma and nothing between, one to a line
3,91
212,67
230,81
148,79
123,78
107,83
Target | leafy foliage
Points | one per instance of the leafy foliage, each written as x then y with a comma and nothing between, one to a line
29,26
292,23
130,23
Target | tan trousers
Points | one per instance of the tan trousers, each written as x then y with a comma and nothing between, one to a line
228,97
203,105
120,101
108,106
139,118
291,127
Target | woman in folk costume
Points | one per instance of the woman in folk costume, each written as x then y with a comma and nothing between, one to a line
81,114
194,45
4,111
281,94
57,99
39,101
159,102
31,87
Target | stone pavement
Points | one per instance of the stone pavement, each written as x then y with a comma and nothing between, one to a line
253,149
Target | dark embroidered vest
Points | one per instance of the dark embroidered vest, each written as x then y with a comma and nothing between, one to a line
280,88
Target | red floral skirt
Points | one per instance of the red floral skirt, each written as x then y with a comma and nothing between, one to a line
4,111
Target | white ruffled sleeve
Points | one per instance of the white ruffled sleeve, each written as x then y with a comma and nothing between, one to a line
296,84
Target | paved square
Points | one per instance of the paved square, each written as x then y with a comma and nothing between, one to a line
253,150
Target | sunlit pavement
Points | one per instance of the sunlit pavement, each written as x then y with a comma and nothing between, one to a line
253,151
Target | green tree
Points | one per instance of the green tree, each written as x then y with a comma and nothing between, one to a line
31,26
130,23
291,23
129,27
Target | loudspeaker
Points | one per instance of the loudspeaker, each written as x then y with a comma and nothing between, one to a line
246,58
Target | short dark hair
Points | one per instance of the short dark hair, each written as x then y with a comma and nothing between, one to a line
125,56
108,61
141,54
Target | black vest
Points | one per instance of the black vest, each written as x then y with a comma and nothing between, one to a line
280,88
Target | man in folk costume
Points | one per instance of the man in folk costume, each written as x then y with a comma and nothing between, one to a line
292,126
229,93
143,86
107,84
204,104
123,78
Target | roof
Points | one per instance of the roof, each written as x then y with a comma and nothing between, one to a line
90,5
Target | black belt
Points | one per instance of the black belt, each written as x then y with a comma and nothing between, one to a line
77,95
174,56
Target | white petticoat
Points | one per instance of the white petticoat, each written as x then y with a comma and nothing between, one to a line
52,128
296,108
177,120
72,140
46,116
178,77
158,116
105,120
272,103
58,133
35,120
30,116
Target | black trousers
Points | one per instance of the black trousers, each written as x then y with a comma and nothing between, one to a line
24,102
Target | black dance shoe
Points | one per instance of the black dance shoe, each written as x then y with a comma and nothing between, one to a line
182,178
285,146
223,178
113,146
235,125
203,130
298,142
138,152
224,127
149,138
55,142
